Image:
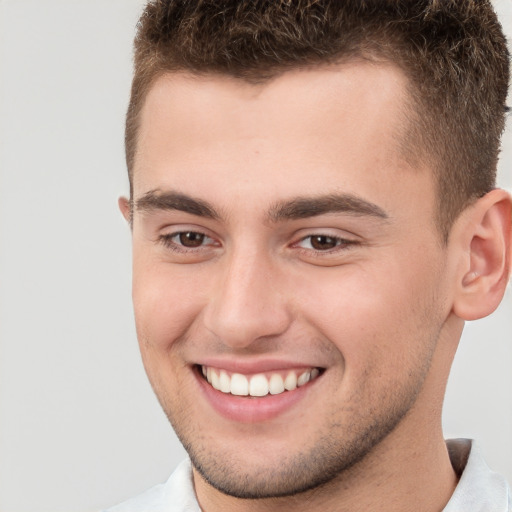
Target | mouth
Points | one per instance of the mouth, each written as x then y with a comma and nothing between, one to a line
259,384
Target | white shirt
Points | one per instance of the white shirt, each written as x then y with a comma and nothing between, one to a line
479,489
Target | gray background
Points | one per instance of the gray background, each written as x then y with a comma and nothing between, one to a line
79,426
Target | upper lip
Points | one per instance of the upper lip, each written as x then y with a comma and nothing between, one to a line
254,366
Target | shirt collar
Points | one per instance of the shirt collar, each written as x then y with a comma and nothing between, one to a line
479,489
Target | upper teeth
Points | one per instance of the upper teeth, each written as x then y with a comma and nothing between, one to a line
259,384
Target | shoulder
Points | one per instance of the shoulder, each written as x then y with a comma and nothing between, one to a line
175,495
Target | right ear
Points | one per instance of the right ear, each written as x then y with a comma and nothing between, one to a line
125,207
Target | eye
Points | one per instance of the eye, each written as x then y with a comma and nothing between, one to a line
184,240
323,242
189,239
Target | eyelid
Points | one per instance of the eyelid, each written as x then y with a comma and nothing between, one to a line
332,232
177,228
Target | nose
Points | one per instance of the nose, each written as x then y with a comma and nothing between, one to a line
247,303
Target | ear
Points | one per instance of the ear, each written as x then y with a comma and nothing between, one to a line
484,235
126,209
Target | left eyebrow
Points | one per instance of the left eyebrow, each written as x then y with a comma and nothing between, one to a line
304,207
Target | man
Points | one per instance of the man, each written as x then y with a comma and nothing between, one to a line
314,217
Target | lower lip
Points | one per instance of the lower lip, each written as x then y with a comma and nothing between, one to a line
251,409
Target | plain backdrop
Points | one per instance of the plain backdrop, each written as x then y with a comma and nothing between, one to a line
79,426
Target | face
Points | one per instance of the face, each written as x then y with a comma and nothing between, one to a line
289,280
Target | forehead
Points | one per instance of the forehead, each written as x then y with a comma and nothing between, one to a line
306,131
193,107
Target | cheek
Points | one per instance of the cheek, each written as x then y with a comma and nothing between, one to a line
376,317
166,302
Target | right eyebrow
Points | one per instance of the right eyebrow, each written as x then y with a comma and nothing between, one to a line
158,200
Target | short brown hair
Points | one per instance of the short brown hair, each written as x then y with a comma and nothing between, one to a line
453,52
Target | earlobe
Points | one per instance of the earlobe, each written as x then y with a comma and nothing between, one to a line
486,256
125,208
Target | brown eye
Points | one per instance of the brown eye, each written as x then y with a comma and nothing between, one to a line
323,242
191,239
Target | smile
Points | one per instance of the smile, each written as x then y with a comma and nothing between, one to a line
260,384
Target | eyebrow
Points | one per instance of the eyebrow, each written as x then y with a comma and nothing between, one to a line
156,200
294,209
304,207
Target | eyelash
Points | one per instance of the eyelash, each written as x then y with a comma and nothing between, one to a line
341,244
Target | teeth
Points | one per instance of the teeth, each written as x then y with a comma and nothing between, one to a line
304,378
276,384
225,382
257,385
290,383
215,380
239,385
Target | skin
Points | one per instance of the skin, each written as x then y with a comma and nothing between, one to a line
380,312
